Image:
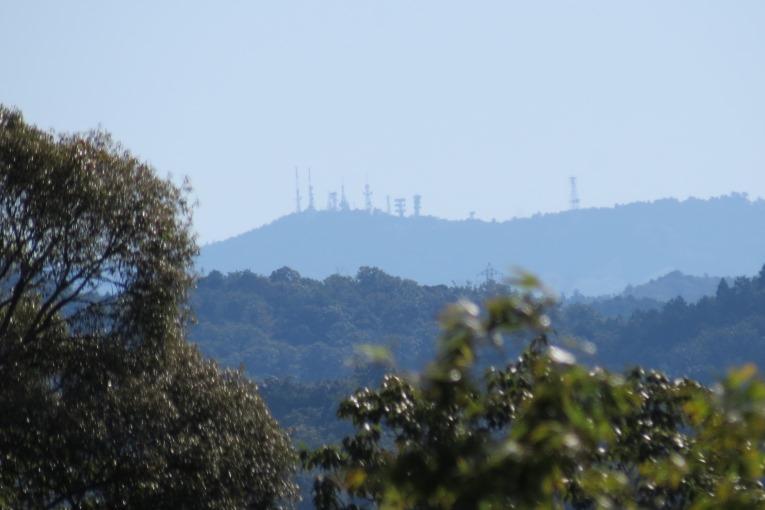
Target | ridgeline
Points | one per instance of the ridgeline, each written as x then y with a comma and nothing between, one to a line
594,251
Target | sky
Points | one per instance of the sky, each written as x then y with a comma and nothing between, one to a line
485,106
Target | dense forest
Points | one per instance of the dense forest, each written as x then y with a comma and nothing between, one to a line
594,251
700,340
297,335
286,325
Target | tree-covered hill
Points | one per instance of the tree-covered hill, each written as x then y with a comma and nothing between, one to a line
650,295
295,334
597,251
675,284
700,340
285,325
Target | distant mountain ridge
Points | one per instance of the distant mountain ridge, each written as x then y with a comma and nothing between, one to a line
675,284
594,251
651,295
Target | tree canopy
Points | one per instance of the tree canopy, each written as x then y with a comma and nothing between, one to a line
104,404
544,432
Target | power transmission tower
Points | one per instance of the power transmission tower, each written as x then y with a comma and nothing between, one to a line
297,191
311,205
574,194
490,274
400,204
417,204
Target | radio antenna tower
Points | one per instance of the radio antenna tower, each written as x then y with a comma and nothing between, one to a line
343,201
367,198
311,205
297,191
400,206
332,201
574,194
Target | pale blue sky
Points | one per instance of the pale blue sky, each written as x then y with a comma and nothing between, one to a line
477,105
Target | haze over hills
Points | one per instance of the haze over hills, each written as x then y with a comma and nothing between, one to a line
593,251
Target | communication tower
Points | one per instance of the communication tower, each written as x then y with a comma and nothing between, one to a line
574,194
417,204
387,207
297,191
367,198
343,201
311,205
400,204
332,201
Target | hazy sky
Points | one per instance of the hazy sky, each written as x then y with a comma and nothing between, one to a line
476,105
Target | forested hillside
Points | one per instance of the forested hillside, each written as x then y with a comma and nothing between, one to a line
700,340
286,325
675,284
303,372
595,251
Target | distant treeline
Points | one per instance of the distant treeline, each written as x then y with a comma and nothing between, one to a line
297,335
285,325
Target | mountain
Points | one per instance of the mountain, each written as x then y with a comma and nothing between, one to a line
594,251
289,326
650,295
675,284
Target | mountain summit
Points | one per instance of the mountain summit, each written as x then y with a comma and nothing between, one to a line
594,251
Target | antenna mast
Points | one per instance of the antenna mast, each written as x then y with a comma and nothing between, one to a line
297,191
343,201
574,205
311,206
367,198
332,201
400,206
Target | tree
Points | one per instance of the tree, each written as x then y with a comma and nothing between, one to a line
103,403
545,432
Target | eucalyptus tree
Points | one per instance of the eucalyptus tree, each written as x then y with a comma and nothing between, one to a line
102,402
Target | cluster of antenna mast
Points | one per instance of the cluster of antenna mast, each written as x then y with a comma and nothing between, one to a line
339,202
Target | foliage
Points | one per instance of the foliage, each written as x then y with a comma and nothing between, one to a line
307,329
699,340
545,432
104,405
285,325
